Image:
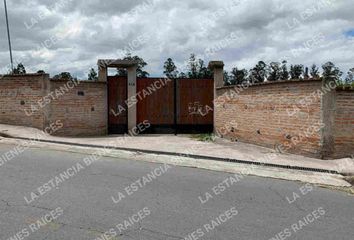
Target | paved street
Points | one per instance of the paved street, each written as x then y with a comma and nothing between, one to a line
47,194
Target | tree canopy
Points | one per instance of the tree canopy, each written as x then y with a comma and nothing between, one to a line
196,68
350,77
170,69
64,76
140,70
331,72
20,69
92,76
276,71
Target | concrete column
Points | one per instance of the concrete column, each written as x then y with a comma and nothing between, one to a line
328,110
102,74
218,68
132,101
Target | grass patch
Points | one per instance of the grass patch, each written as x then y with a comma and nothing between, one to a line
343,85
205,137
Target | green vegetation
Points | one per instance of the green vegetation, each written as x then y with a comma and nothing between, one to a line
139,71
20,69
276,71
196,68
92,76
64,76
205,137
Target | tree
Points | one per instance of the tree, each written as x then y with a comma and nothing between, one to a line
20,69
203,70
64,76
284,73
314,72
170,69
41,71
238,76
182,75
331,72
350,77
92,75
227,78
274,72
296,71
258,73
306,73
139,71
192,67
197,68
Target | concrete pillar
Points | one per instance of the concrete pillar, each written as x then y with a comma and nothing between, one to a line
132,101
218,68
328,110
102,74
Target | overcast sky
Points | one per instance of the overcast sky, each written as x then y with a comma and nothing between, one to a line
70,35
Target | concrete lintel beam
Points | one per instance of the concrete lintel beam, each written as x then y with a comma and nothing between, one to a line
216,65
116,63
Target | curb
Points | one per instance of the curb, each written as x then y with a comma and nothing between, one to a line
317,170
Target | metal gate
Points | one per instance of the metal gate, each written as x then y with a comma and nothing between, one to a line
170,106
175,106
117,107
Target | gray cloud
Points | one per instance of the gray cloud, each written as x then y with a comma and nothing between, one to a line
70,35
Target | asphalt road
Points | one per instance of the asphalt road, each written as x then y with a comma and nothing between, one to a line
47,194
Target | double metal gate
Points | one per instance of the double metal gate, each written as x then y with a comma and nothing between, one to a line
170,106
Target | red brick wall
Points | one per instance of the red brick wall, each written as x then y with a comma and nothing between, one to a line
285,114
17,94
82,110
27,100
344,124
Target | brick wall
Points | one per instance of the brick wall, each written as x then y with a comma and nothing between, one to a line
291,116
19,96
344,124
82,110
273,115
35,101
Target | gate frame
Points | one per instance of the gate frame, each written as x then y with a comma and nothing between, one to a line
131,66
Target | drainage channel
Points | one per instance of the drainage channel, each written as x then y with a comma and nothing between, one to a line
317,170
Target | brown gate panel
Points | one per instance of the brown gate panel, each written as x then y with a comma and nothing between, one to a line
180,106
195,101
170,106
118,112
155,101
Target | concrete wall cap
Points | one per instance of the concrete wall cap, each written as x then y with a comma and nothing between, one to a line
216,64
24,75
273,83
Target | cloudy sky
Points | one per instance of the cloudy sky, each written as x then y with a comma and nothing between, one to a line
70,35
